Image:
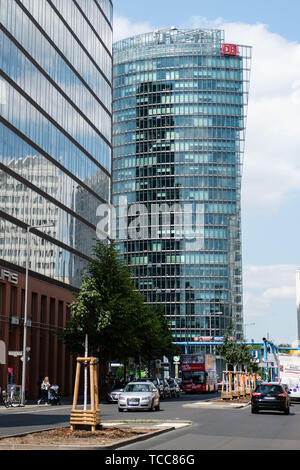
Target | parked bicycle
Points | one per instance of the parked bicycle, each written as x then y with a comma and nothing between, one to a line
12,398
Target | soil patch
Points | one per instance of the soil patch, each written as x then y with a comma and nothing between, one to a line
235,400
64,436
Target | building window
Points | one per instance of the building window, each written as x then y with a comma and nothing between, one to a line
13,301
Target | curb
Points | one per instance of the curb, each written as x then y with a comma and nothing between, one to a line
115,445
219,405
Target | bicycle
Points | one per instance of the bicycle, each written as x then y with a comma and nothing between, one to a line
12,399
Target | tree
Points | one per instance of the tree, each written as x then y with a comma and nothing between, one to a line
88,317
235,354
132,329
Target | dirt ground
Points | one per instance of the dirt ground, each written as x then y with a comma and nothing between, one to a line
64,436
235,400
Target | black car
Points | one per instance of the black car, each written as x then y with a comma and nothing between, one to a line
270,396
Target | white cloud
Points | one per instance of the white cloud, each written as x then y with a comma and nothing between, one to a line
270,276
270,301
283,292
125,28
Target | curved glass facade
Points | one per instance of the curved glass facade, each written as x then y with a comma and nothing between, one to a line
55,130
179,121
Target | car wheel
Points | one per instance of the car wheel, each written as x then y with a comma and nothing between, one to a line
254,410
121,409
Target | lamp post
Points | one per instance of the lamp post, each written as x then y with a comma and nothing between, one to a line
29,227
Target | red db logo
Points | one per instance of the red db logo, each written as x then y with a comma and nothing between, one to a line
229,49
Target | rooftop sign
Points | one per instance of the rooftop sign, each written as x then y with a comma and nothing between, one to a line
229,49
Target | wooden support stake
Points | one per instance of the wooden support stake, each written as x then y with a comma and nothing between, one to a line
86,417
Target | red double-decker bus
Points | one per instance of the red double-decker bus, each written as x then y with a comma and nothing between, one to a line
199,373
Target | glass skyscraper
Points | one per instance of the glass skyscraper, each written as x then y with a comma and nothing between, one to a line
55,130
180,101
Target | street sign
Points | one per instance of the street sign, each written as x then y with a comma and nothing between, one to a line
255,355
15,353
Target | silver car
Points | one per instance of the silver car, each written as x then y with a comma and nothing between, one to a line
139,396
113,396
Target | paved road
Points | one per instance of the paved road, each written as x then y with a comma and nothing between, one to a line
212,429
230,429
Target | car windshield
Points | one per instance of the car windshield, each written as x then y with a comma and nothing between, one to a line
137,388
269,389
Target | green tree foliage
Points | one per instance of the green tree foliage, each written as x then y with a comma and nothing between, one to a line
235,354
120,323
88,317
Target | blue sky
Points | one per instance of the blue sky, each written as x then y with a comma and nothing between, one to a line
271,175
281,16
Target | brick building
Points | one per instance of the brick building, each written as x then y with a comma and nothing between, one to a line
48,310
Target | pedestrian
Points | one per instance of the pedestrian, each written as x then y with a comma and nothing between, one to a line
45,385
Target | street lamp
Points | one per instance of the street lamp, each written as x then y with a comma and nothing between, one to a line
29,227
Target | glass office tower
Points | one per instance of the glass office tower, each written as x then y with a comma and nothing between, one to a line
180,99
55,130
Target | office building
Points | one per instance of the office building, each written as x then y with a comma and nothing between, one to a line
55,166
180,104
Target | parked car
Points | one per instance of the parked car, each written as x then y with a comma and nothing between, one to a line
174,388
179,381
139,396
161,385
113,395
270,396
166,389
158,383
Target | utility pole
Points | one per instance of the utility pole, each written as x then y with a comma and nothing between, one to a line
24,357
